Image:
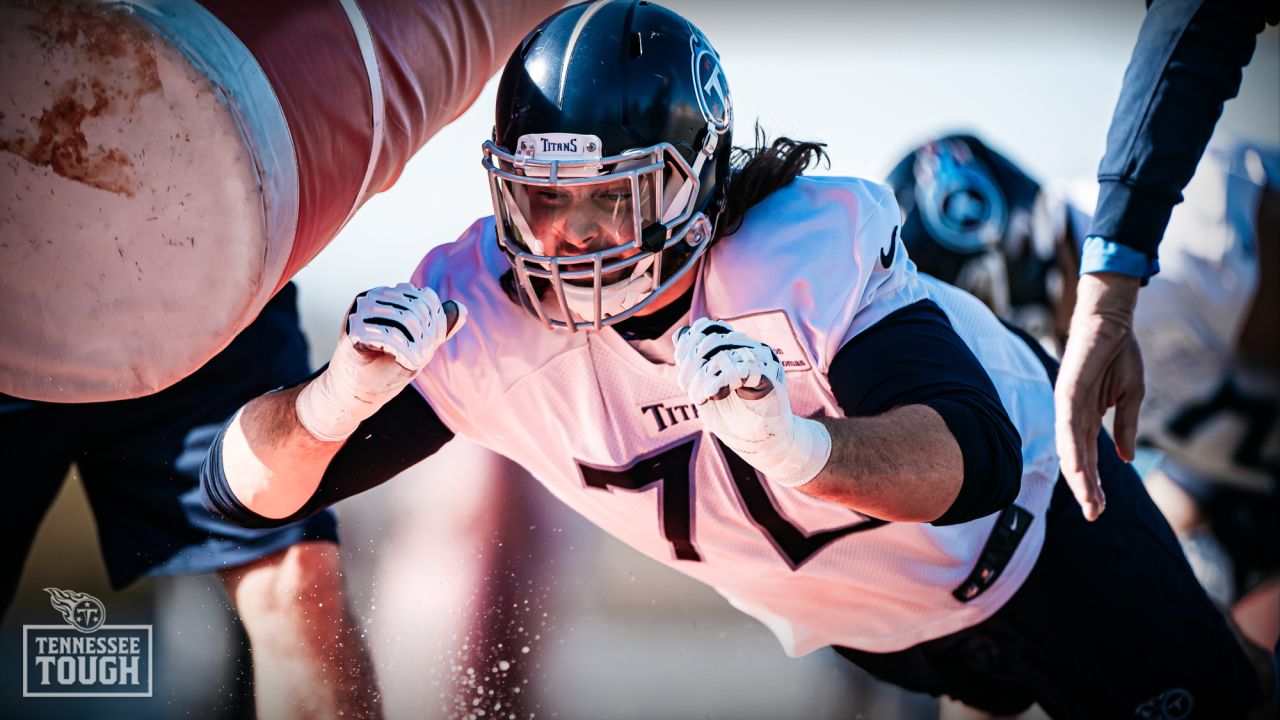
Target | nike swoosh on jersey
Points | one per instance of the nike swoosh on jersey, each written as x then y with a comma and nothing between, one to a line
886,258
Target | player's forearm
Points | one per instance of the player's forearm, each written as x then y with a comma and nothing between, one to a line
269,462
904,465
272,464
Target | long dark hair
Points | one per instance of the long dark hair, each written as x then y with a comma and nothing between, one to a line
757,171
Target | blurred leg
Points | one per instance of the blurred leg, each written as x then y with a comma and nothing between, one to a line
460,587
1258,614
141,466
309,658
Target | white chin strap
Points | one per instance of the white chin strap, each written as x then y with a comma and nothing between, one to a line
677,204
615,297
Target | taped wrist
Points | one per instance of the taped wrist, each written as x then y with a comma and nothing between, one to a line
346,394
329,411
795,462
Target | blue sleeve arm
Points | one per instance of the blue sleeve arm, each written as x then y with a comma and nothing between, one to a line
405,431
1187,62
914,357
1099,255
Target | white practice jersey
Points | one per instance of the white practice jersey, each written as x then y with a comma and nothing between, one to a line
611,434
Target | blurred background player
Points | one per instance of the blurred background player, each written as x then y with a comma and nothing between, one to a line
969,220
139,461
1206,322
1187,62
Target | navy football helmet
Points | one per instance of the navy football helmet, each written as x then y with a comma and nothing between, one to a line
974,219
608,159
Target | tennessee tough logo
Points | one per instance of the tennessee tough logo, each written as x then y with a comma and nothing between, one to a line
85,657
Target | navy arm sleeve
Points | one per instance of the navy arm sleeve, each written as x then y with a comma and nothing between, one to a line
403,432
1187,62
914,357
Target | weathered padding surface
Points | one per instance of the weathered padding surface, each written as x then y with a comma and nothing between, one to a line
137,235
132,242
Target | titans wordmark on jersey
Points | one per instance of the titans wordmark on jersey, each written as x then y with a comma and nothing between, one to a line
611,434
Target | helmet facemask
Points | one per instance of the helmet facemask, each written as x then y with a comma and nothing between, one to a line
610,152
588,236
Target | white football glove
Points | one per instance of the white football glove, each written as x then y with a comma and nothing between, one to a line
390,335
714,361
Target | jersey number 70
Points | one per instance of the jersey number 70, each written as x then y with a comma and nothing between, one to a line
669,472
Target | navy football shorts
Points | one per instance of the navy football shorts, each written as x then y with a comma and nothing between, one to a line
1111,623
140,462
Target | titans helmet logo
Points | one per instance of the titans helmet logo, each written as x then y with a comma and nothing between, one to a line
713,91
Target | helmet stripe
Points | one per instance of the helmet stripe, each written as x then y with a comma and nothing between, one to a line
573,40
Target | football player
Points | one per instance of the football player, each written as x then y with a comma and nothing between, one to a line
736,370
973,218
